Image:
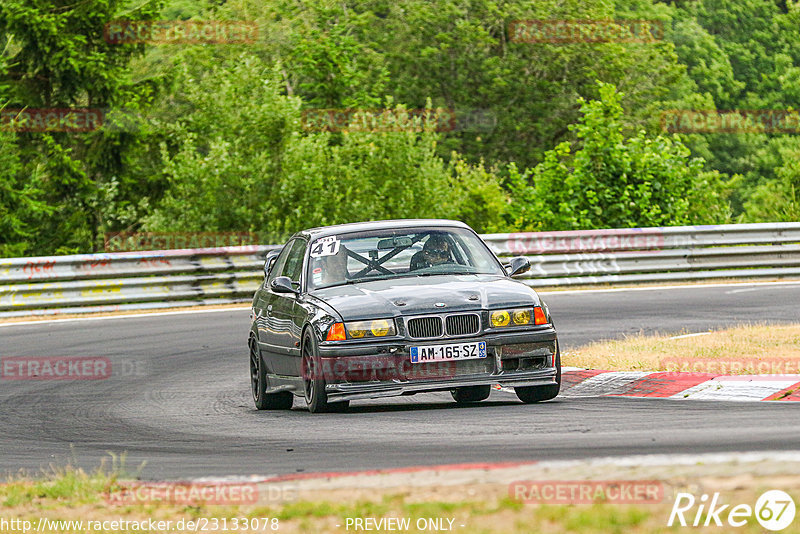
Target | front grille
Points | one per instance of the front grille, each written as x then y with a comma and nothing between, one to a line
461,325
524,364
422,327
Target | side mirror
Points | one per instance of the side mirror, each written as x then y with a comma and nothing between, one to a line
270,261
518,265
283,284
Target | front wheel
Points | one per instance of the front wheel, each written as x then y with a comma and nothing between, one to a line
532,394
314,380
469,394
258,385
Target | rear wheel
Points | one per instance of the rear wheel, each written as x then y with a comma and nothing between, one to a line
470,394
314,380
532,394
258,384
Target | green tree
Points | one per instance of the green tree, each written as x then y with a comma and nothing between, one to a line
463,55
333,64
221,157
58,58
707,63
744,55
21,209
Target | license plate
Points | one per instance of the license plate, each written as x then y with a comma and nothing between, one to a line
446,353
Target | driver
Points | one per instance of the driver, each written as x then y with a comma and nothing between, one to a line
435,252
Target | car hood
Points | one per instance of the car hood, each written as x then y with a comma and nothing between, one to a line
419,295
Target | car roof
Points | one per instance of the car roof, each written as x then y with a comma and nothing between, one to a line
399,224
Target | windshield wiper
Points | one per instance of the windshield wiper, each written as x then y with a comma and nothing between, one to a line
449,273
370,279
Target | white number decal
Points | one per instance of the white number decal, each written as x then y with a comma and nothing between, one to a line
327,246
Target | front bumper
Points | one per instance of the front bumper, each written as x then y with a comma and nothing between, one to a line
383,368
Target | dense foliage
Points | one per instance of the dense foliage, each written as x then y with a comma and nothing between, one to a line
458,118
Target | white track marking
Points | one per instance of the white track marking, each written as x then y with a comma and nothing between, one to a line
723,387
690,335
745,290
606,384
123,316
688,459
729,388
661,288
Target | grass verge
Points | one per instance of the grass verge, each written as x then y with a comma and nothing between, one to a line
748,349
74,495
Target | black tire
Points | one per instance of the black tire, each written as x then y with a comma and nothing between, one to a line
314,382
470,394
532,394
258,385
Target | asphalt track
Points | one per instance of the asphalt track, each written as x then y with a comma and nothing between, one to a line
179,406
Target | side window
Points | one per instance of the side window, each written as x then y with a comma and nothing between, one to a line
279,262
294,261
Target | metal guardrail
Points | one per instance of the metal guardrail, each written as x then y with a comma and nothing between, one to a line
636,255
129,280
165,279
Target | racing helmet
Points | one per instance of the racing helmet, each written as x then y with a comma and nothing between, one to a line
437,249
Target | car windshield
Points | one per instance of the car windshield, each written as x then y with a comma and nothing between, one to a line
385,254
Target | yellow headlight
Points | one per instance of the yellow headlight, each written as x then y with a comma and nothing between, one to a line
376,328
500,318
380,328
522,316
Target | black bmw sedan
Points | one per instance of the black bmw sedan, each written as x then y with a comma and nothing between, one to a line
388,308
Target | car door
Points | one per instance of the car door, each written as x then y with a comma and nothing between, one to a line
262,306
284,317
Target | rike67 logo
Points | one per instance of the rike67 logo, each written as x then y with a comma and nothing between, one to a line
774,510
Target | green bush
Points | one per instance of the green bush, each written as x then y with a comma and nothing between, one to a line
778,200
610,181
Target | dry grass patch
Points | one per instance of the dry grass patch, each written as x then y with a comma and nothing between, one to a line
750,349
